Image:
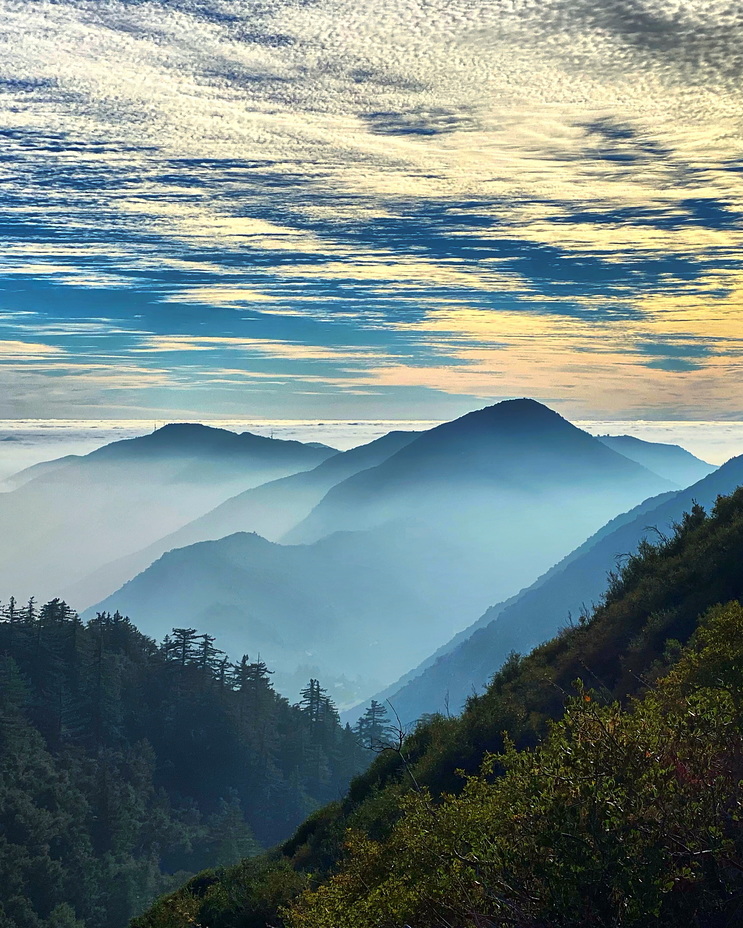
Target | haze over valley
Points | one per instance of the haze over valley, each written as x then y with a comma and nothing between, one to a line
354,566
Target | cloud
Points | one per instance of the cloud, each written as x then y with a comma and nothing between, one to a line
420,181
219,295
26,351
259,347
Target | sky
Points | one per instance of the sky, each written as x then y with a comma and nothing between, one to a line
370,208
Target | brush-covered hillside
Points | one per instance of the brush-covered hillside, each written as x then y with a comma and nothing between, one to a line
595,783
126,766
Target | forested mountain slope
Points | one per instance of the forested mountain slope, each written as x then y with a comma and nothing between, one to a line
126,765
71,519
628,814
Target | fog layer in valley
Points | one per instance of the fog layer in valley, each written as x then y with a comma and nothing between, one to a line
80,513
409,540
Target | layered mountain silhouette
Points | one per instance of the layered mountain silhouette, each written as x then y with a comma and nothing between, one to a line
269,510
465,665
41,469
73,517
670,461
398,557
493,458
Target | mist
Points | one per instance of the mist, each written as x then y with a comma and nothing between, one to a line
392,560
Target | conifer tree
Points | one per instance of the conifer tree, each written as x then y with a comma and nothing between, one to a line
181,647
122,762
373,729
312,701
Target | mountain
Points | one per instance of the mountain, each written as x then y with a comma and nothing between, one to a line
69,520
351,608
36,470
464,475
613,802
403,553
465,665
270,510
670,461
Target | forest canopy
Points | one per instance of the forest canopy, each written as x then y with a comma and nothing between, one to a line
126,765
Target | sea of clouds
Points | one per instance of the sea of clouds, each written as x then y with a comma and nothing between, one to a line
24,442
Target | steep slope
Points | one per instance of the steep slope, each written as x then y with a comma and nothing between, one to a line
660,810
465,665
670,461
270,510
462,516
69,520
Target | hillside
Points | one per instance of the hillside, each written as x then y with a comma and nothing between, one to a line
270,510
466,664
126,765
72,518
641,798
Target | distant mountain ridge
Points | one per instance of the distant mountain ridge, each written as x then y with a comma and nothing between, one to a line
397,557
465,665
670,461
269,510
519,444
68,520
43,468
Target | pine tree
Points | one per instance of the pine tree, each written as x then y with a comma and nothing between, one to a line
373,729
181,648
312,701
207,655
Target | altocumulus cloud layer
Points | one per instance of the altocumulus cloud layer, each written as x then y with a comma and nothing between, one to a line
370,205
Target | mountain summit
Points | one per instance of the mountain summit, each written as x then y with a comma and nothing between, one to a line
488,458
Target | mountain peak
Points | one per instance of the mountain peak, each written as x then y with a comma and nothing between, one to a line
523,409
180,431
517,418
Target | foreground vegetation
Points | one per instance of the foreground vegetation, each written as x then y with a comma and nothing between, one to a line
126,766
596,783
